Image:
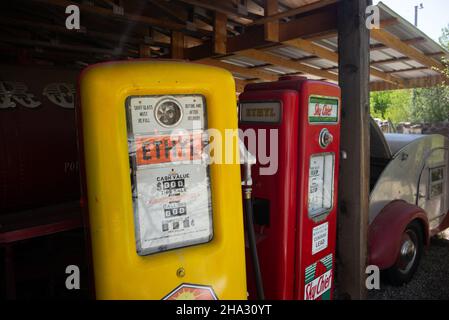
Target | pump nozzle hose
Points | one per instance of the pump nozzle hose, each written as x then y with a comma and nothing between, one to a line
247,183
252,242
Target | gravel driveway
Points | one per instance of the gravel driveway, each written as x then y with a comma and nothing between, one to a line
431,280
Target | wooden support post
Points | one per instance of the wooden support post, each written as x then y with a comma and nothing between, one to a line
354,61
144,51
177,45
272,27
220,33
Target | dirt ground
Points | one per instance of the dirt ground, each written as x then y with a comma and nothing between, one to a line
431,280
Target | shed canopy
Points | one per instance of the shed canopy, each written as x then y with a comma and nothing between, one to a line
257,40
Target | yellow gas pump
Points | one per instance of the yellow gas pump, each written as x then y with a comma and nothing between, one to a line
164,223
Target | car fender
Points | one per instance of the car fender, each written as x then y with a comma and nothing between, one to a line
385,232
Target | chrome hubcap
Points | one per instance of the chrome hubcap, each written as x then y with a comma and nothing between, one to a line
407,254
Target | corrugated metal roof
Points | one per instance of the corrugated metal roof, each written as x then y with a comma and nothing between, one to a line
402,30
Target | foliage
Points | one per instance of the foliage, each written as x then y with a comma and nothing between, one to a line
398,101
444,39
418,105
381,101
431,104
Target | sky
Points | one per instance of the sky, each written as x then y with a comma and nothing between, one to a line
431,19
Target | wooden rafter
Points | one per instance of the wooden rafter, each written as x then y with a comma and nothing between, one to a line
395,43
407,70
240,85
177,45
390,60
271,27
163,23
333,33
116,52
423,82
254,37
220,34
157,41
244,71
403,59
294,12
222,8
312,48
410,42
181,14
287,63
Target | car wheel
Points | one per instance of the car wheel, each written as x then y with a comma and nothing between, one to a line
410,251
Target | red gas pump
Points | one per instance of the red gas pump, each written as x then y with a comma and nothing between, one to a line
295,208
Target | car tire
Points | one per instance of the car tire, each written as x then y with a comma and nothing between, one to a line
409,255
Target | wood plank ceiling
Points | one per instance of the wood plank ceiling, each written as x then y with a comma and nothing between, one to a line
256,40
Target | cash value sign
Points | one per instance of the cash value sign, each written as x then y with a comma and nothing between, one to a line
169,172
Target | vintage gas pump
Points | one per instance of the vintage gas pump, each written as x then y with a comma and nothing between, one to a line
295,208
165,223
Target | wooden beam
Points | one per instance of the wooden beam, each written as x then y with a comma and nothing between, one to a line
240,85
254,37
254,7
395,43
407,70
177,45
172,10
222,8
109,13
387,77
248,72
144,51
88,33
352,235
220,33
117,52
312,48
387,61
271,27
410,42
333,33
294,12
99,11
402,59
423,82
438,55
287,63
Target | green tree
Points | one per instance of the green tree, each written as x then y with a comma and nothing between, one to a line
444,39
400,110
432,104
418,105
392,105
380,101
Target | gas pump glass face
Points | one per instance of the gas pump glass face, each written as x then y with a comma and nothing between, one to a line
321,184
169,171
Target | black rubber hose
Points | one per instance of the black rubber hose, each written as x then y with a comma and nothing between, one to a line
253,248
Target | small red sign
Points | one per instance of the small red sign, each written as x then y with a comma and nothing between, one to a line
163,149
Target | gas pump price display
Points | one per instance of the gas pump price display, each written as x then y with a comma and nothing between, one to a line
169,174
321,184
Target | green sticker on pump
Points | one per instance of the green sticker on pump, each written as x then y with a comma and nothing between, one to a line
323,109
